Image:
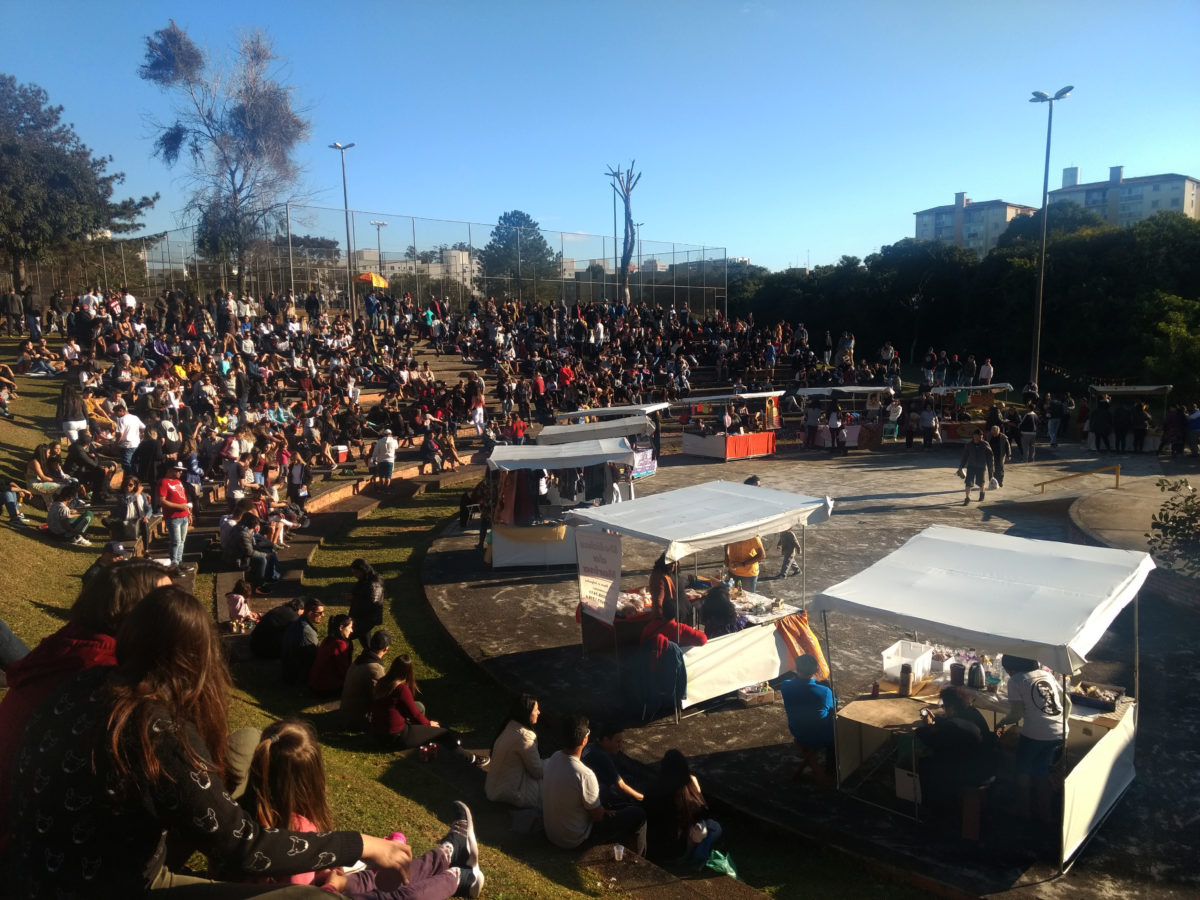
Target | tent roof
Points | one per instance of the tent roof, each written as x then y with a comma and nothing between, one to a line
974,388
611,412
727,398
704,516
569,434
1130,388
850,389
1046,600
561,456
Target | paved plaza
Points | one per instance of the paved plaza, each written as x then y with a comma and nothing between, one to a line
520,626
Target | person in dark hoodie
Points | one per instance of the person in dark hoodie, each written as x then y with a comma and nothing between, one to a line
87,640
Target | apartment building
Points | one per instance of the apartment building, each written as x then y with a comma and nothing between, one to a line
969,224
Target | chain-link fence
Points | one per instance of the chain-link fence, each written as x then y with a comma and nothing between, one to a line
304,250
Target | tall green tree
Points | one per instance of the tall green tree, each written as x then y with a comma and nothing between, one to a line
517,261
52,188
235,129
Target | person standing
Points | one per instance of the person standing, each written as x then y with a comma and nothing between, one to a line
743,559
1036,701
789,545
129,435
365,599
976,457
176,510
571,809
810,708
384,458
1028,429
1001,453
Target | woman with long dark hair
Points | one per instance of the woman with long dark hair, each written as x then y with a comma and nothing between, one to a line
677,822
122,757
515,772
399,721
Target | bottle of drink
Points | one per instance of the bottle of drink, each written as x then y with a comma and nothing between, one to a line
906,680
875,690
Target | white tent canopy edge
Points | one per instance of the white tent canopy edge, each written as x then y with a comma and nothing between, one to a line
705,516
1047,600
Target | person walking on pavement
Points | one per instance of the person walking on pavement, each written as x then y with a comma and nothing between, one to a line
1028,429
976,458
1001,453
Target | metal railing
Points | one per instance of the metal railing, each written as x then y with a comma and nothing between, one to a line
1114,469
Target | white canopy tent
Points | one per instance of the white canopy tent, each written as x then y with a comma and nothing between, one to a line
548,545
704,516
614,412
1044,600
613,428
577,454
1000,387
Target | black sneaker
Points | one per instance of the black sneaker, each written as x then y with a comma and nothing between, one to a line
461,837
470,882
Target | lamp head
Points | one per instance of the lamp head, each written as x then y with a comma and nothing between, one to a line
1039,97
1065,92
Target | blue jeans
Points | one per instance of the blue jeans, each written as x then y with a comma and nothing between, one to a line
127,459
177,530
699,853
12,504
12,648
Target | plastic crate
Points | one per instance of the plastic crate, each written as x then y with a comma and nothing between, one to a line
919,656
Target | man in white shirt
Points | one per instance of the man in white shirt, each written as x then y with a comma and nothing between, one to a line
384,458
129,435
571,810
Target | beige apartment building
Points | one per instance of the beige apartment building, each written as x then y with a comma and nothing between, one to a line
1123,201
968,224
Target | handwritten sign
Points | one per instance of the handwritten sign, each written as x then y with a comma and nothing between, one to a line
599,555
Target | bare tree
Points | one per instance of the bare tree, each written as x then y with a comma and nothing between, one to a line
623,182
237,130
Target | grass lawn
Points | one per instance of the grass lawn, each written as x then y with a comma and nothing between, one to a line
373,791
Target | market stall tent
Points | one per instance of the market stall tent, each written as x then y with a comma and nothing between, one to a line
1044,600
548,544
578,454
704,516
613,428
613,412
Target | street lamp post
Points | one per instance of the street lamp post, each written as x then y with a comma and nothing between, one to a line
379,225
342,148
1035,362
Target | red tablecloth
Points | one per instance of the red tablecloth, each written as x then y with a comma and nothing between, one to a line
741,446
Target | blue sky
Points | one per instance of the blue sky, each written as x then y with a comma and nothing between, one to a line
788,132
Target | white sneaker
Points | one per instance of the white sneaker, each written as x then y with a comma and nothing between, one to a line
81,541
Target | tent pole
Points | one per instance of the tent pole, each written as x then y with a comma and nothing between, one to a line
1062,795
837,757
803,568
1136,650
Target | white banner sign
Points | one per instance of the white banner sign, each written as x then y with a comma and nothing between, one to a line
599,555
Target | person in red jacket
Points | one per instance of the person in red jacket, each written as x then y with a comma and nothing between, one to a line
399,721
328,672
87,640
668,627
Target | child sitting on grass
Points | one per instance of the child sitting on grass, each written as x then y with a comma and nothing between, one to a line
286,789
